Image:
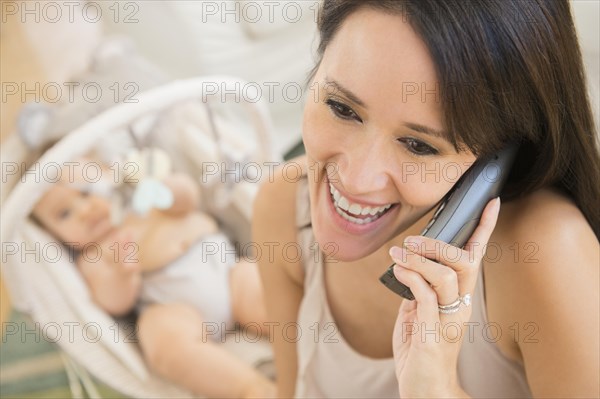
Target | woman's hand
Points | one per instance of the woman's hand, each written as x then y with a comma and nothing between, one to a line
426,341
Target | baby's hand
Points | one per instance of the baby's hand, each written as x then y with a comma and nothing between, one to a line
124,252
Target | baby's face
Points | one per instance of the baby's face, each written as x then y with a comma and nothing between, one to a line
74,217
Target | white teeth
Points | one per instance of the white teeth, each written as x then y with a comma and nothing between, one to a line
343,204
354,220
337,195
355,209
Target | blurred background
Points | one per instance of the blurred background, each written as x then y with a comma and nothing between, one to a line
270,44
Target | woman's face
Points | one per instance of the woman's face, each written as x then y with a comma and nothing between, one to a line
373,132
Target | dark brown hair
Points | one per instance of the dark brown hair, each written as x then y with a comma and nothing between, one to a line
509,71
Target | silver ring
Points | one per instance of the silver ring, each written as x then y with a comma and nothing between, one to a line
455,306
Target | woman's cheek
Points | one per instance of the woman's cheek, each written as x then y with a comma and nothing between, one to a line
425,182
420,193
317,134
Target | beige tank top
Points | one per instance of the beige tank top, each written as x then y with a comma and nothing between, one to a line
328,367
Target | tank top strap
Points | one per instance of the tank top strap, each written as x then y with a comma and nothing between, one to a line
311,259
302,203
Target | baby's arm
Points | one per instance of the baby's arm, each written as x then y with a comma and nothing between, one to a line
115,279
185,193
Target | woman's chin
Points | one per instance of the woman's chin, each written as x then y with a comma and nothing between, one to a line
347,255
342,249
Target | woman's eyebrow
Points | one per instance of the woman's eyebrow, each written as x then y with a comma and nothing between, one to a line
330,83
426,130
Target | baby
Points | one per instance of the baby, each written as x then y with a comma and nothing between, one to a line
156,264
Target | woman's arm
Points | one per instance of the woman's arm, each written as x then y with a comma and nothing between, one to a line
274,226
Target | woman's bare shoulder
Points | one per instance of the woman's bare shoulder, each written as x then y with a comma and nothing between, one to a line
545,215
543,277
275,210
543,244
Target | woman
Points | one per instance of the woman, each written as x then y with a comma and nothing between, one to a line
409,91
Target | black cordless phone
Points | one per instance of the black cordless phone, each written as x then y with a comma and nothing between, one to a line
459,213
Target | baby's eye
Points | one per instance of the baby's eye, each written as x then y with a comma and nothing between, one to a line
342,111
65,213
418,147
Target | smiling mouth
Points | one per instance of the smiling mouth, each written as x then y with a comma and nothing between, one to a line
353,212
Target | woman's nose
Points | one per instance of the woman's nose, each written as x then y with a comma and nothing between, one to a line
366,170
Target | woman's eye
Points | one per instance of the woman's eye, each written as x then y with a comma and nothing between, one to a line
342,111
418,147
65,213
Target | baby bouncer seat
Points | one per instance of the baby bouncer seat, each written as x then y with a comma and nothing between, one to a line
225,152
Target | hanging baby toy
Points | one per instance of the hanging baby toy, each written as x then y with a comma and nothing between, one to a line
138,186
153,165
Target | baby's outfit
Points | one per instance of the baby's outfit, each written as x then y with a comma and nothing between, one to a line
200,277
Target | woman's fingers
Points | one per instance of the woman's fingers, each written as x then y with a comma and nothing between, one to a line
454,257
451,271
437,251
426,301
442,279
